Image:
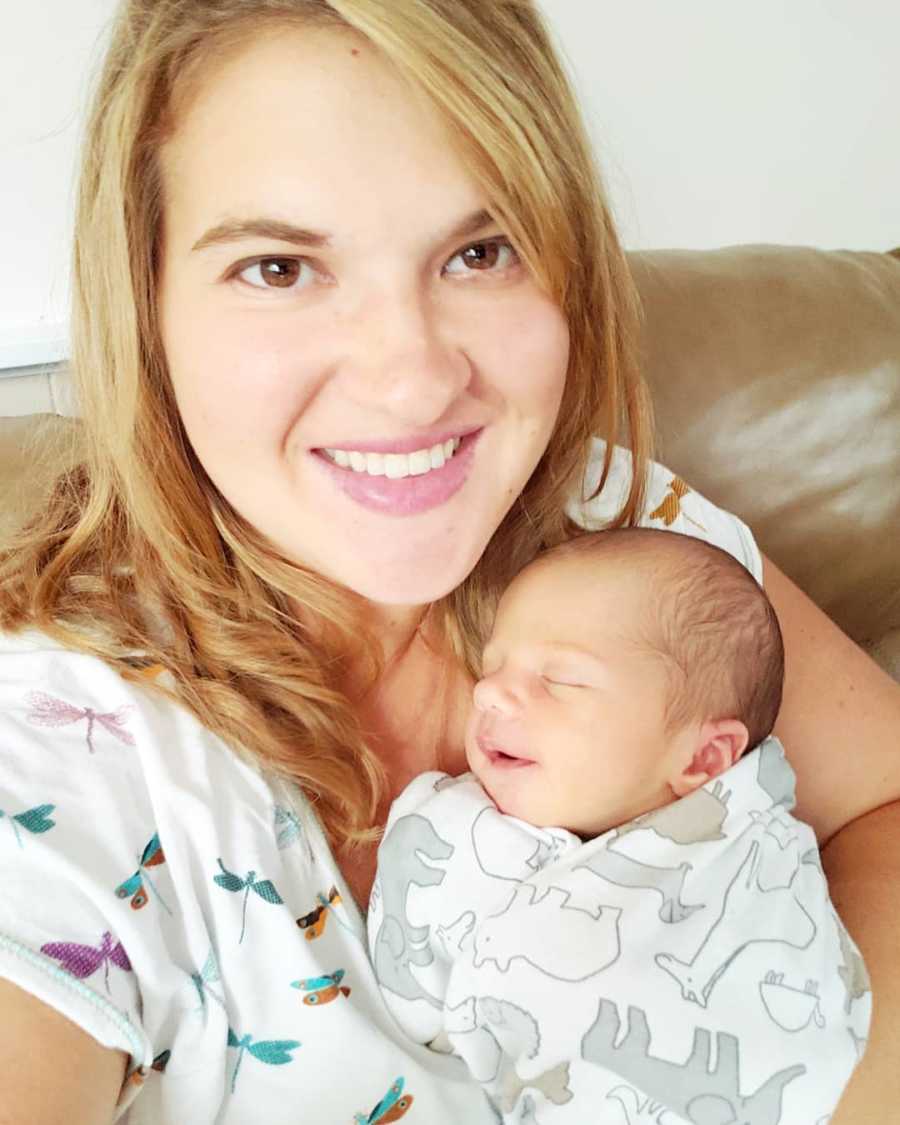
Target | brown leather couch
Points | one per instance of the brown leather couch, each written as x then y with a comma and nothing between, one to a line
776,378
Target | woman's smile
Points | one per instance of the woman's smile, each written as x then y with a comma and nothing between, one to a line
402,484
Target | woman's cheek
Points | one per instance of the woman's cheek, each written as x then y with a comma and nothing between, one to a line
543,348
243,382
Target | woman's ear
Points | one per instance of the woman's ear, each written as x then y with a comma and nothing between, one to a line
717,746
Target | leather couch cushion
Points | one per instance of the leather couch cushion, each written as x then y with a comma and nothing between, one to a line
776,381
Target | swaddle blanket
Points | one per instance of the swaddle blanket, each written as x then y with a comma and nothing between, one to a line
687,966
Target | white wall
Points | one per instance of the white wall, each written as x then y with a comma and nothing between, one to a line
46,51
716,123
721,123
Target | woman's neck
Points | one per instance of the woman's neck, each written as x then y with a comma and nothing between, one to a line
415,710
414,716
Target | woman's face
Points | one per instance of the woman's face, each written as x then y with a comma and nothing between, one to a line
385,341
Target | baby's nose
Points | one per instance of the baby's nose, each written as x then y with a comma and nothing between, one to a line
498,693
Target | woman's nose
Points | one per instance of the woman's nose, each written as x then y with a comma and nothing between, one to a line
405,365
498,693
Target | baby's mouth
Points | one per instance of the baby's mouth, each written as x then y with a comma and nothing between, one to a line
497,756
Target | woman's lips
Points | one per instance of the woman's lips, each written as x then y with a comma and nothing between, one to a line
407,496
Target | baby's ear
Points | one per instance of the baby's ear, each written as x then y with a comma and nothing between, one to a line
717,746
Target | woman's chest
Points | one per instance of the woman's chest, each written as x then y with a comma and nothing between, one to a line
412,730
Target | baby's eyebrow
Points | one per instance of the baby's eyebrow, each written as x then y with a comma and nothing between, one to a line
555,650
574,652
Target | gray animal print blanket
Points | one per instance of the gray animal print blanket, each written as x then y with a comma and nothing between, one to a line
685,967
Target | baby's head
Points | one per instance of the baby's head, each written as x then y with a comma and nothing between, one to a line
625,668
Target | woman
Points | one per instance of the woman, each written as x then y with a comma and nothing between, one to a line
330,406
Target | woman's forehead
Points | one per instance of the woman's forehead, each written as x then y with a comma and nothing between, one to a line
299,127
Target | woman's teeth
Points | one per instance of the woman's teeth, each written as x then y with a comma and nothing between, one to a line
394,466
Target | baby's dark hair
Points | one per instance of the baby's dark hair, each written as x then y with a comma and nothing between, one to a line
709,619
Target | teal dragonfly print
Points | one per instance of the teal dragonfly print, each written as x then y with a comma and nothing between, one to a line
392,1106
289,831
264,888
274,1052
204,980
34,820
133,887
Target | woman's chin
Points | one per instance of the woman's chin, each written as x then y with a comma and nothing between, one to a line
418,581
392,593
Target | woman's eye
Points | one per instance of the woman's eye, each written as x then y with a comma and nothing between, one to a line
481,257
271,273
284,273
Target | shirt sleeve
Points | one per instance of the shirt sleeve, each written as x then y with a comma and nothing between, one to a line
72,928
671,505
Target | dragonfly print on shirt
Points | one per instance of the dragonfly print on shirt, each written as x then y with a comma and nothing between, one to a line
264,888
203,981
322,990
289,831
82,961
161,1061
671,507
35,821
48,711
392,1106
275,1052
133,887
313,923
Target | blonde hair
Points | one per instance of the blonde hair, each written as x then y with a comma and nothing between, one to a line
137,526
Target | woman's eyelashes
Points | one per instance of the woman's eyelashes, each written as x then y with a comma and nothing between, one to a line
282,272
492,245
273,273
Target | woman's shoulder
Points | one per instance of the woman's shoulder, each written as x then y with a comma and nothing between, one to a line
55,696
670,505
62,708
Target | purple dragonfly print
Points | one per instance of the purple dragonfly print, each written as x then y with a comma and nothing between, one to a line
48,711
82,961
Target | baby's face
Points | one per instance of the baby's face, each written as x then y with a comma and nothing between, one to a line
568,724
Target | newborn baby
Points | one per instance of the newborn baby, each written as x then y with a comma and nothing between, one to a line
614,917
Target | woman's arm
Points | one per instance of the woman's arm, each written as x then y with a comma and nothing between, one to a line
52,1070
840,726
863,866
840,719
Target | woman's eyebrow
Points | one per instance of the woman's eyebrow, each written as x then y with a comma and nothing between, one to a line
234,230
